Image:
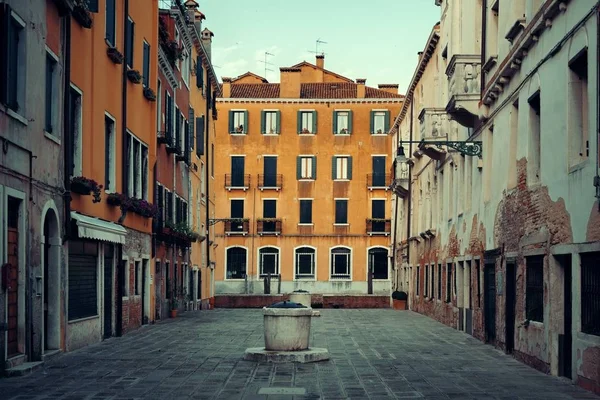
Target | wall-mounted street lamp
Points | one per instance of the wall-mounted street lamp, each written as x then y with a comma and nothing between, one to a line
466,148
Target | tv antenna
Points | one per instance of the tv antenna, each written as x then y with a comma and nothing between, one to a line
317,43
267,63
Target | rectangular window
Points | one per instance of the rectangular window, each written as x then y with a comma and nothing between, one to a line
75,108
110,30
130,32
305,263
578,109
380,122
448,283
185,67
51,94
418,280
306,167
138,168
306,211
137,277
342,167
426,288
237,171
146,71
342,122
533,159
590,293
341,211
159,110
13,82
439,282
379,172
307,122
109,154
270,122
237,122
340,263
534,292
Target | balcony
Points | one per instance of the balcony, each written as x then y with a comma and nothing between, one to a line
268,226
237,226
163,137
400,183
464,87
237,182
270,182
378,226
378,181
434,123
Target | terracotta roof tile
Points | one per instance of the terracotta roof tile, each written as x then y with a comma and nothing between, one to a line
372,93
328,90
255,90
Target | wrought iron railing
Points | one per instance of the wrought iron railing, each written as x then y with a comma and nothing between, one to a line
237,181
378,181
377,226
268,226
237,226
270,181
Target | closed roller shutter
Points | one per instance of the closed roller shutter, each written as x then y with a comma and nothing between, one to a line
83,280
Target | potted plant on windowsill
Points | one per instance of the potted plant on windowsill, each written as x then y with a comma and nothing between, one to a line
81,14
84,186
399,298
174,305
305,131
343,131
149,94
239,129
115,55
134,76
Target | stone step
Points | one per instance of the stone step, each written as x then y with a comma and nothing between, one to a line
50,354
24,369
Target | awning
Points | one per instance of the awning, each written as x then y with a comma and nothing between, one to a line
94,228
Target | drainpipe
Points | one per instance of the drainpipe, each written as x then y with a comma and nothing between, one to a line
67,131
483,47
209,97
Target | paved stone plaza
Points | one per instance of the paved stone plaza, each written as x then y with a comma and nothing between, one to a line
374,354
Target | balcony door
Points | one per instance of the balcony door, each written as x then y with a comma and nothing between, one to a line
379,171
237,171
269,211
378,213
237,212
270,172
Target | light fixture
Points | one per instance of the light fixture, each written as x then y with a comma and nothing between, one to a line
400,156
466,148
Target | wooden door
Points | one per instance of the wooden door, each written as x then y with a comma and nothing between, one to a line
13,292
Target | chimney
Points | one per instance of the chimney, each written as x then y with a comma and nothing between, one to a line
360,88
198,17
226,87
207,41
191,6
321,61
389,87
289,83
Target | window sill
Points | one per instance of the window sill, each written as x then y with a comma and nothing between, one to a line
336,224
235,279
84,319
11,113
304,224
300,279
341,180
238,133
306,180
342,134
306,134
51,137
271,134
378,134
340,279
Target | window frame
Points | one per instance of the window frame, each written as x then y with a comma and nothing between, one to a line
300,200
236,114
343,166
111,187
114,33
313,275
53,95
138,169
15,102
345,201
226,262
336,122
310,126
382,114
146,63
388,264
532,290
260,260
332,257
306,166
131,43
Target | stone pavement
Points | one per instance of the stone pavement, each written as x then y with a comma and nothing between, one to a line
374,354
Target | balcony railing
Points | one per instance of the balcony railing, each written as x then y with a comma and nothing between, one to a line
268,226
379,181
270,182
464,86
163,137
237,181
237,226
376,226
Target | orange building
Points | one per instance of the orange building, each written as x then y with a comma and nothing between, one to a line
304,182
110,151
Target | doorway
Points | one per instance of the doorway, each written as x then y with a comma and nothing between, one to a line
489,295
145,297
565,340
108,289
51,277
510,306
379,171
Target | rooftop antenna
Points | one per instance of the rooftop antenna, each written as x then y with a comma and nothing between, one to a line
317,43
267,64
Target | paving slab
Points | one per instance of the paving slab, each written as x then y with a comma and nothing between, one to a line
373,354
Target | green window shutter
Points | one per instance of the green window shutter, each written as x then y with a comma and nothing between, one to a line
350,168
349,121
299,121
278,122
298,167
334,123
333,167
263,122
387,122
372,122
246,121
231,121
314,167
314,130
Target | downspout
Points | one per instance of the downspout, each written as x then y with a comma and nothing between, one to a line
483,47
207,172
67,131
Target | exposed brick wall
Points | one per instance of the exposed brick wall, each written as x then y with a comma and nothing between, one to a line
335,301
250,301
593,228
328,301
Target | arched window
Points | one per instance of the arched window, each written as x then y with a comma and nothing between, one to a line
236,263
341,263
378,262
305,263
268,261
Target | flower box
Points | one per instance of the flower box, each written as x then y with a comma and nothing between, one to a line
82,16
149,94
114,199
134,76
84,186
115,55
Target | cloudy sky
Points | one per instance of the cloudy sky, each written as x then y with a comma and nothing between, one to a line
376,39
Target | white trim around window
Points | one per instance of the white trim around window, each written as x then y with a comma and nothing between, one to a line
277,260
225,262
113,154
349,260
388,264
314,263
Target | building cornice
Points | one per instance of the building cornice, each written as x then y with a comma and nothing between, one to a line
430,47
166,69
180,22
205,59
305,101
